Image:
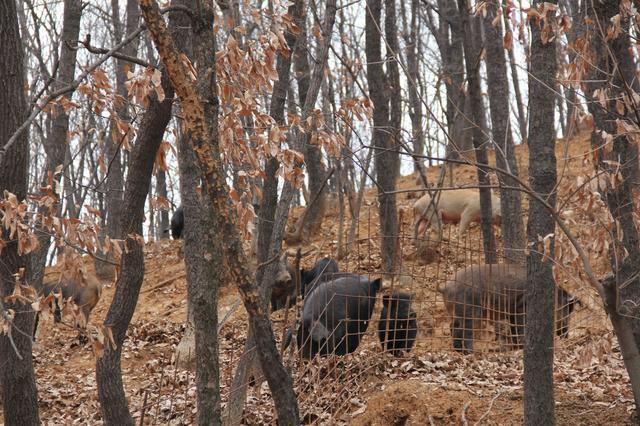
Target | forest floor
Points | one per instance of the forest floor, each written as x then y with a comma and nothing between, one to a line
430,384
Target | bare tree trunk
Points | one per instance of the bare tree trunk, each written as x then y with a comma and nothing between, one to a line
56,144
522,117
163,215
513,236
267,236
393,88
472,64
614,71
573,9
539,331
449,38
18,384
205,145
113,401
385,159
206,263
115,173
313,216
413,83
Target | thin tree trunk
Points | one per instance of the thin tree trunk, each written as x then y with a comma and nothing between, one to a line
113,401
163,215
539,332
393,87
472,64
203,238
18,385
205,145
385,160
513,236
56,144
415,111
574,32
613,71
313,216
115,173
522,118
266,218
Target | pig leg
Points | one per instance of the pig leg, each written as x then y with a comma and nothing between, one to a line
439,222
463,323
465,220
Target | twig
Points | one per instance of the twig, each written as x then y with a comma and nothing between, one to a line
493,400
463,415
101,50
165,282
69,88
268,262
228,314
6,318
144,407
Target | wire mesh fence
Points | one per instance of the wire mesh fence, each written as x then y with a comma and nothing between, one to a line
440,300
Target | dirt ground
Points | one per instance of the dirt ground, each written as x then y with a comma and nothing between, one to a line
430,385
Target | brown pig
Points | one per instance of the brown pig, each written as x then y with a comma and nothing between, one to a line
85,293
496,293
456,206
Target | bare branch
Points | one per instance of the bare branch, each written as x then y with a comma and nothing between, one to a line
69,88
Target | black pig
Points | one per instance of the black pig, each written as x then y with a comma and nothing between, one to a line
335,315
397,328
323,267
177,223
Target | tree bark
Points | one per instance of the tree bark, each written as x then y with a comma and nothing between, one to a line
19,393
539,331
316,172
205,266
513,236
163,215
268,236
472,65
113,402
448,36
413,84
614,71
385,159
522,117
55,145
393,86
573,9
115,178
205,145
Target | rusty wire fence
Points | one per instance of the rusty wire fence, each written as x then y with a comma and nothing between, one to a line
440,300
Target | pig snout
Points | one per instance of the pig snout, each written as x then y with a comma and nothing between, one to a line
283,286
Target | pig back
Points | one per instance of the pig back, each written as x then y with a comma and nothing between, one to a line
492,286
